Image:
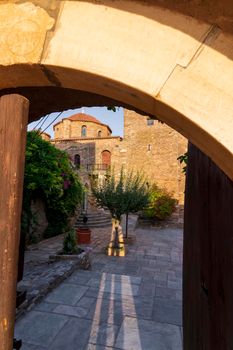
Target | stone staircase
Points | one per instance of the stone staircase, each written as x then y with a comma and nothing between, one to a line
97,218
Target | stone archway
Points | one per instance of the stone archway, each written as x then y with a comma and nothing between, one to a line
146,56
138,54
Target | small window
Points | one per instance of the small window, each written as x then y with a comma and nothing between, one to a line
99,133
150,122
149,147
84,131
57,128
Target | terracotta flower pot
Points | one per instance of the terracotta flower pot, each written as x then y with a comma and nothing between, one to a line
83,235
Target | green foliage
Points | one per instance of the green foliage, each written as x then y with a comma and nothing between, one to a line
113,109
184,159
136,194
128,194
161,204
69,243
49,176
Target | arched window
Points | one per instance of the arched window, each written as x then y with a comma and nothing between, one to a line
99,133
77,161
106,159
84,131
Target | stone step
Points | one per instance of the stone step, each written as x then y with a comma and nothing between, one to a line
95,220
93,225
94,216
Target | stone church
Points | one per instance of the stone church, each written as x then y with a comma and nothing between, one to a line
148,146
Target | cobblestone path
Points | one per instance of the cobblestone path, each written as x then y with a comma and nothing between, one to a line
128,303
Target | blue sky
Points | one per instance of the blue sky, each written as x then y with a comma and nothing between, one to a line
114,119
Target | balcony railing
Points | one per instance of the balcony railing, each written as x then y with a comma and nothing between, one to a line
98,167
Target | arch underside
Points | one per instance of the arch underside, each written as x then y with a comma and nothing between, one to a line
129,53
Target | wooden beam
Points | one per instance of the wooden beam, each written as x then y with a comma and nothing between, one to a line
13,124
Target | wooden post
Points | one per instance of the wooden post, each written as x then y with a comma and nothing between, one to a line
13,123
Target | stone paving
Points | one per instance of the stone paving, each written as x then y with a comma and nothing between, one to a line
127,303
41,274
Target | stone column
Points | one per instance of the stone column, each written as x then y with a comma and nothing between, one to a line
13,124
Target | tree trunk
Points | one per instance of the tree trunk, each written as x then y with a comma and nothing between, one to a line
116,239
126,225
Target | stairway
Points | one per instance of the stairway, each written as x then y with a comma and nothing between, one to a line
97,218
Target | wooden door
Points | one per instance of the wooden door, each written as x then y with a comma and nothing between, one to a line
208,256
106,159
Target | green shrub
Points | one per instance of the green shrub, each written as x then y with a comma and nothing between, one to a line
70,243
50,177
161,204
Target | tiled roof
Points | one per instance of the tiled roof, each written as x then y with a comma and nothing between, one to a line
82,117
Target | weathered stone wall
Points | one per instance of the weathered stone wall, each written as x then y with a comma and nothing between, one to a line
72,129
86,149
90,150
41,222
153,150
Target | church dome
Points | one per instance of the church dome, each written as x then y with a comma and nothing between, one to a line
82,117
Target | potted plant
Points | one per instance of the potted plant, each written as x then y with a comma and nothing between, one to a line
83,233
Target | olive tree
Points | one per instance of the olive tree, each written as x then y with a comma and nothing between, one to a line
127,194
136,195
